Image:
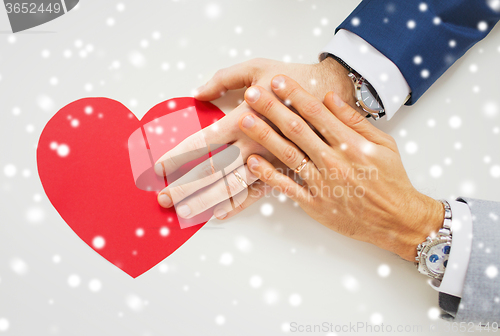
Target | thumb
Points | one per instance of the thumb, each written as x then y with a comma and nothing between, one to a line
353,119
232,78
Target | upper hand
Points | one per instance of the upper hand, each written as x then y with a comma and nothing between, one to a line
355,182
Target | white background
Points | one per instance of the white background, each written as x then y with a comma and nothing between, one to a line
144,52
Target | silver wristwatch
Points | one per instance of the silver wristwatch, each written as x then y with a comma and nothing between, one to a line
433,253
364,93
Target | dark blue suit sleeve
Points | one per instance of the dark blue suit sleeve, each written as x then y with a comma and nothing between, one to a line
402,30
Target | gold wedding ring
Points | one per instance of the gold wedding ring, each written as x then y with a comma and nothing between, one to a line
302,165
240,179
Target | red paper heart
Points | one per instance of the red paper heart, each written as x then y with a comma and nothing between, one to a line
84,165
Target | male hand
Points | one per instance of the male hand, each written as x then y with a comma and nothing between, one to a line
355,182
210,189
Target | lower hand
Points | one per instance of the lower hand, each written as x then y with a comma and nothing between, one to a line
355,182
207,192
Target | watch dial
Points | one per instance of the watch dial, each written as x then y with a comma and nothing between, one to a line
370,97
437,258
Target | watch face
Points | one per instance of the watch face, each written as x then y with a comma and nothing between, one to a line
437,258
370,97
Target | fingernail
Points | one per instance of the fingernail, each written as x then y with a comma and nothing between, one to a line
199,90
159,169
337,100
248,122
253,163
164,200
220,214
278,82
252,95
183,210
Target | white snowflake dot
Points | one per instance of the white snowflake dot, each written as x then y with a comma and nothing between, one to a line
164,231
411,147
295,300
74,281
226,259
350,283
10,170
266,209
433,313
455,122
19,266
35,215
98,242
384,270
271,297
355,21
220,320
212,11
494,4
255,281
490,108
139,232
473,68
482,26
243,244
135,303
436,171
376,318
495,171
422,7
491,271
63,150
95,285
411,24
4,324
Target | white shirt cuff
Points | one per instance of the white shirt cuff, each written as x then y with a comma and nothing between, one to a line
370,63
458,261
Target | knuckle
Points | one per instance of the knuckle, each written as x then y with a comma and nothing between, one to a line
290,155
286,189
312,108
178,193
266,175
199,204
355,118
292,93
206,169
170,161
268,106
264,134
233,185
295,127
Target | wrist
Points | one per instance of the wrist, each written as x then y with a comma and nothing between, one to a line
424,218
335,78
